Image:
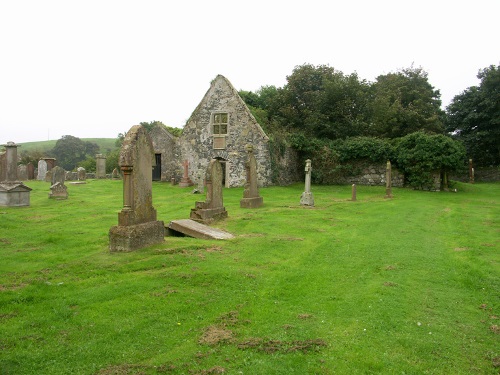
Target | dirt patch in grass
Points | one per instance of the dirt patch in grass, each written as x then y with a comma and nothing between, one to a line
5,241
461,248
390,283
289,239
275,346
125,369
213,370
495,328
304,316
214,335
12,287
390,268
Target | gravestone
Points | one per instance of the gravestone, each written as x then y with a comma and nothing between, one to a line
307,198
58,190
51,163
115,175
12,191
213,208
388,180
3,166
82,174
137,225
100,162
471,172
251,198
185,180
22,172
42,170
30,168
48,176
353,191
201,183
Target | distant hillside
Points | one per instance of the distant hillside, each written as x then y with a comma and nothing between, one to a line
105,145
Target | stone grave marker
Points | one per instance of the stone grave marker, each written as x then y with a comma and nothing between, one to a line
22,172
115,175
42,170
58,190
100,162
213,208
185,180
251,197
82,174
307,198
3,166
388,180
471,172
137,225
353,191
12,191
30,169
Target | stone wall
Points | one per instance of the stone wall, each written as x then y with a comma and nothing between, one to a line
167,145
481,174
372,175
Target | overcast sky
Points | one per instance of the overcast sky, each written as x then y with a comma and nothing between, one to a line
94,68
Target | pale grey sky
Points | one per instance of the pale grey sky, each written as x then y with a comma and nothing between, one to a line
94,68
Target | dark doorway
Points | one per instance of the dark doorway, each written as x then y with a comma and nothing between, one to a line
223,165
157,168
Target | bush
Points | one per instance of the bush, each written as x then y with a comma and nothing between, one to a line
420,155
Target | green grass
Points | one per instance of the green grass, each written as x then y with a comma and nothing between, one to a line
402,286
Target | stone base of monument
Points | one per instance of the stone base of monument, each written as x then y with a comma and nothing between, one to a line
58,191
14,194
185,182
133,237
251,202
207,215
191,228
307,199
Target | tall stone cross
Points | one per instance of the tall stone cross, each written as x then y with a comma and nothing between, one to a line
307,199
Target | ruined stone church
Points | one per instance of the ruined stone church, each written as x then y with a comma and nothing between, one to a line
219,128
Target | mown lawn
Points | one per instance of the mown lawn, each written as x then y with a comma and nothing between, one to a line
402,286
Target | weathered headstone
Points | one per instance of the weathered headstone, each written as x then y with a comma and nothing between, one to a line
3,166
58,190
201,183
388,180
30,169
251,197
353,191
137,225
307,199
100,161
48,176
213,208
51,163
42,170
115,175
22,172
82,174
471,172
12,191
185,181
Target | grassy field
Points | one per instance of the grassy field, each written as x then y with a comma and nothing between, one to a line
104,144
402,286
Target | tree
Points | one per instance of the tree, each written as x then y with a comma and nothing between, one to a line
473,117
150,125
403,103
69,151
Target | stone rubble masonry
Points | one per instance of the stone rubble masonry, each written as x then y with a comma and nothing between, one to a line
13,193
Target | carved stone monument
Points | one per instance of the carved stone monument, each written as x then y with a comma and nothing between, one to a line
137,225
58,190
213,208
471,172
12,191
100,162
353,193
82,174
30,169
115,175
251,197
388,180
307,199
185,180
42,170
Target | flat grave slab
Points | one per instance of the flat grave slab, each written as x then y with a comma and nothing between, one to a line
194,229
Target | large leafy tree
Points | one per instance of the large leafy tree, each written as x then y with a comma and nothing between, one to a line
403,103
323,102
474,118
70,150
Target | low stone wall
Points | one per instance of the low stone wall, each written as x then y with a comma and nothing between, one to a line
373,175
481,174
